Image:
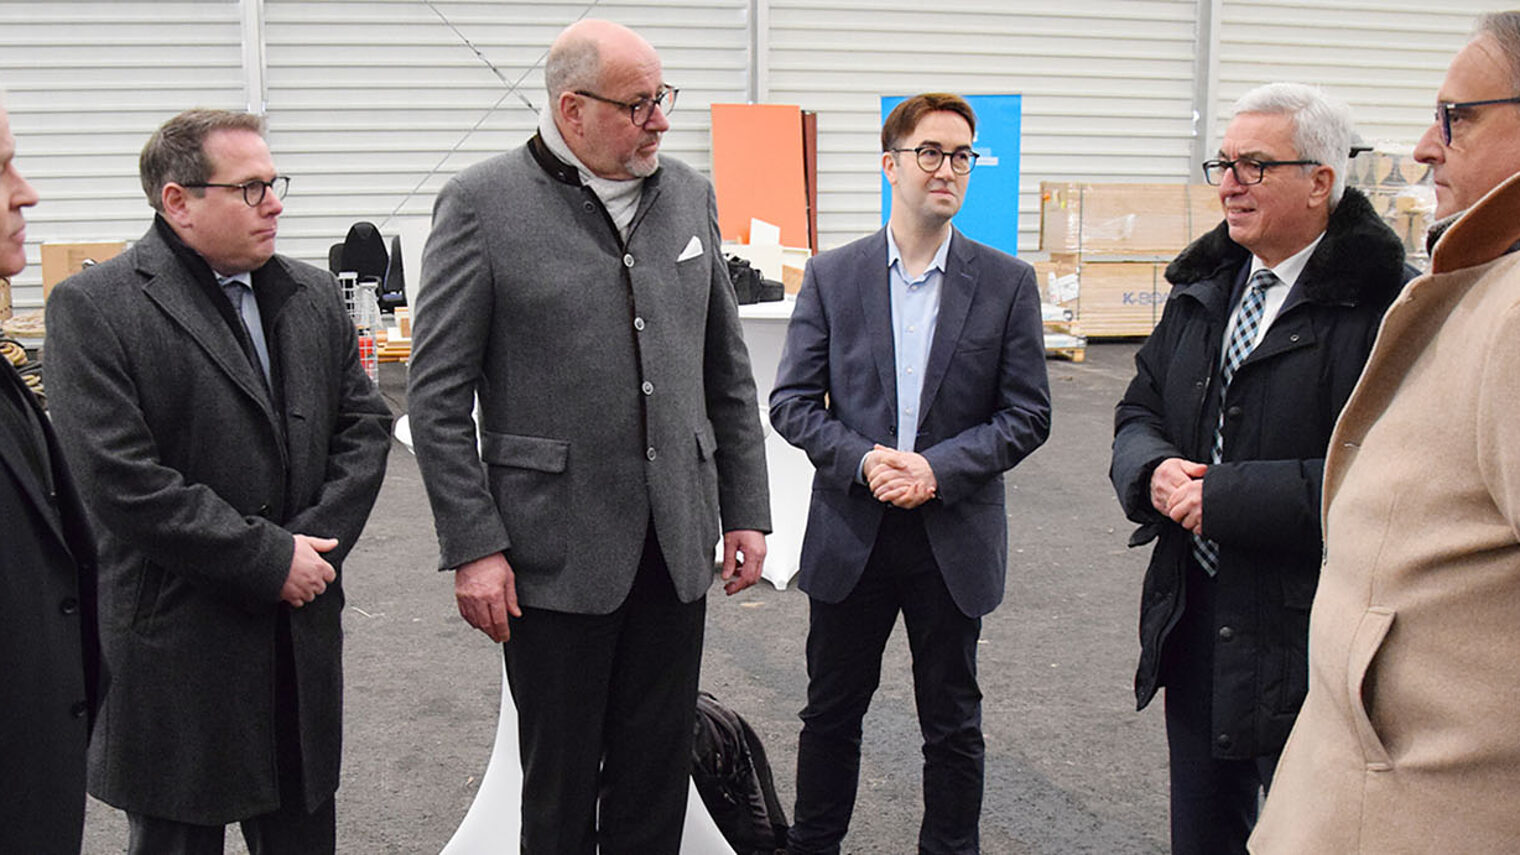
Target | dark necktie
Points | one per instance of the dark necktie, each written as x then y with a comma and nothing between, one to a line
1242,342
247,309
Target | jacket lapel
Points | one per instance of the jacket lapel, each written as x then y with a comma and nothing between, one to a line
168,285
876,309
957,289
15,460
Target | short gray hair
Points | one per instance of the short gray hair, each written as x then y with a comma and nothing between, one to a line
1504,29
1322,127
177,150
574,64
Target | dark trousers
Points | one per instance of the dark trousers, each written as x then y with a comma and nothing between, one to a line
605,709
287,831
844,648
1214,801
290,830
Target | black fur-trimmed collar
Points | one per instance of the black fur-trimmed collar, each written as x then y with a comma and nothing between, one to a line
1360,256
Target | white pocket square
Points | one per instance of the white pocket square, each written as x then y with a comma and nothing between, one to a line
692,250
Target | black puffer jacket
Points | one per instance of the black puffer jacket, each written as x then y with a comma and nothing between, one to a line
1261,503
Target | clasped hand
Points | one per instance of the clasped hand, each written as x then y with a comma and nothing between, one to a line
901,478
1177,491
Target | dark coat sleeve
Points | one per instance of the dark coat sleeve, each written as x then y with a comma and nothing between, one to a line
357,447
1141,438
452,336
1020,420
799,407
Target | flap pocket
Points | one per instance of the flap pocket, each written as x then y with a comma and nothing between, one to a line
524,452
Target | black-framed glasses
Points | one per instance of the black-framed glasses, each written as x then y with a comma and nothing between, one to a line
930,157
642,110
1247,170
253,191
1446,110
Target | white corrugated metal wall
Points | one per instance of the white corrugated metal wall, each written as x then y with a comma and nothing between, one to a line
373,104
1107,86
86,85
1384,57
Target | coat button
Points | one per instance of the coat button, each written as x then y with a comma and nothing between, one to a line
52,497
69,606
649,453
648,388
1293,337
589,206
264,510
628,260
1224,741
1226,633
638,324
79,709
1233,412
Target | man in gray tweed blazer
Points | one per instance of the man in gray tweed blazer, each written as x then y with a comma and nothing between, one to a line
576,287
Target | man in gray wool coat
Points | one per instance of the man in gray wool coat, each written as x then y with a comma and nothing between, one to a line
209,395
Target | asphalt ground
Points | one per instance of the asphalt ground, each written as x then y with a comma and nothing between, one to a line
1071,767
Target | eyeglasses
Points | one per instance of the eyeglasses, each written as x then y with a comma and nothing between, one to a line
1247,171
930,157
1449,110
253,191
642,110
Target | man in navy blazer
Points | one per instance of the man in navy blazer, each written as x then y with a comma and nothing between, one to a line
913,376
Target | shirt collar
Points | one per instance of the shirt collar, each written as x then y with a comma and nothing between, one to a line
245,278
548,131
894,256
1288,270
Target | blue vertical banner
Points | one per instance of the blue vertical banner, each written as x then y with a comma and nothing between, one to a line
990,213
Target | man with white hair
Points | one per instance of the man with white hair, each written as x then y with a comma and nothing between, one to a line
1409,739
1219,444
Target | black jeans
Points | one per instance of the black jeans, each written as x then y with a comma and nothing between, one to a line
844,648
605,707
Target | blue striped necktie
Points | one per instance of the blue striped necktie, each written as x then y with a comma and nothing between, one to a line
1242,342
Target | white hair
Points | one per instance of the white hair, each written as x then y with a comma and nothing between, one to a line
1322,126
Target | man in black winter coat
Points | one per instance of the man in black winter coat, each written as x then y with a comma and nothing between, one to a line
1219,445
49,639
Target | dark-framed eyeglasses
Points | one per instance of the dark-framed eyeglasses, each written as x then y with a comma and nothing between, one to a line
930,157
1247,170
253,191
1448,110
642,110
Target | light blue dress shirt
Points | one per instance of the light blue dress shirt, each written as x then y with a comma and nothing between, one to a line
915,311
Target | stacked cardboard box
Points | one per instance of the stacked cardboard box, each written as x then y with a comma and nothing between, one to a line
1109,245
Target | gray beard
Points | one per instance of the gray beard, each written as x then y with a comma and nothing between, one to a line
640,169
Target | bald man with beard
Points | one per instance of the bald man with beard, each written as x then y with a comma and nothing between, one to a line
575,285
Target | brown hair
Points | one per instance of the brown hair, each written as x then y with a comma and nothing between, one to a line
906,116
177,150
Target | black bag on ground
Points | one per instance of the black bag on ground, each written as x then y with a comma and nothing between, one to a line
733,778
